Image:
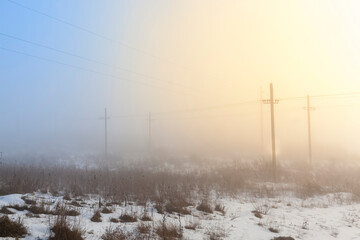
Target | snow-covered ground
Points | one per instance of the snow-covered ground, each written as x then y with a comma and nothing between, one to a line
331,216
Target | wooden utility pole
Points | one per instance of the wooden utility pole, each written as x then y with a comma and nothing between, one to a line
106,140
309,108
261,124
273,131
272,101
150,120
106,135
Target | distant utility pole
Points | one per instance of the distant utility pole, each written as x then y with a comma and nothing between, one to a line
272,101
150,121
261,124
309,108
106,136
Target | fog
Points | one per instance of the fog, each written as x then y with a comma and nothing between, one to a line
178,119
198,68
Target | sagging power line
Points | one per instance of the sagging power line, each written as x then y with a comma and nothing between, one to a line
85,69
91,60
96,34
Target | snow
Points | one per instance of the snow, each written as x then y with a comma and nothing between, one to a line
332,216
11,199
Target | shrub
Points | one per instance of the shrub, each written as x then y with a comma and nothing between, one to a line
143,228
5,210
146,218
204,207
28,201
67,197
114,234
75,203
63,230
18,207
72,212
96,217
9,228
259,207
61,209
274,230
159,207
168,231
257,214
177,206
39,209
283,238
220,208
106,210
192,225
114,220
128,218
216,233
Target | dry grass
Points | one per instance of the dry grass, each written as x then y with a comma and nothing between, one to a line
204,207
112,233
143,228
62,229
96,217
283,238
220,208
106,210
168,231
5,210
9,228
128,218
114,220
217,232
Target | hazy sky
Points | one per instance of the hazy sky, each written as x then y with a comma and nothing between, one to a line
178,55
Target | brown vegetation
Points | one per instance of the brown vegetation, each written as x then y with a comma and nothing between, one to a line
9,228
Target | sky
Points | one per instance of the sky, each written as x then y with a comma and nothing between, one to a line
163,57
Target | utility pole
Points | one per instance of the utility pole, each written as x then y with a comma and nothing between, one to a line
261,124
272,101
309,108
150,120
106,135
106,144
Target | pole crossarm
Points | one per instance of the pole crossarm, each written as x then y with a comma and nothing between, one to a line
268,101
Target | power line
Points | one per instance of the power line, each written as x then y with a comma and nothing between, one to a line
87,59
224,106
291,98
322,96
95,33
230,105
336,95
81,68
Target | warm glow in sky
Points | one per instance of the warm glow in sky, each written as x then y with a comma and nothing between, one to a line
199,54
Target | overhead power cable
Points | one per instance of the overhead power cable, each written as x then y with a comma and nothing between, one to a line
336,95
88,59
83,69
189,110
99,35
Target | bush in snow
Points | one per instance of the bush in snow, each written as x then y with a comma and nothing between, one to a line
62,229
9,228
96,217
204,207
114,234
128,218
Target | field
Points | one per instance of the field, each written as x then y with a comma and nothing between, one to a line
231,200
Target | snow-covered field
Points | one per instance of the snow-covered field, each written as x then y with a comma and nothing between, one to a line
331,216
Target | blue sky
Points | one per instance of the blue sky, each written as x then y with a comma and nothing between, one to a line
193,54
41,101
